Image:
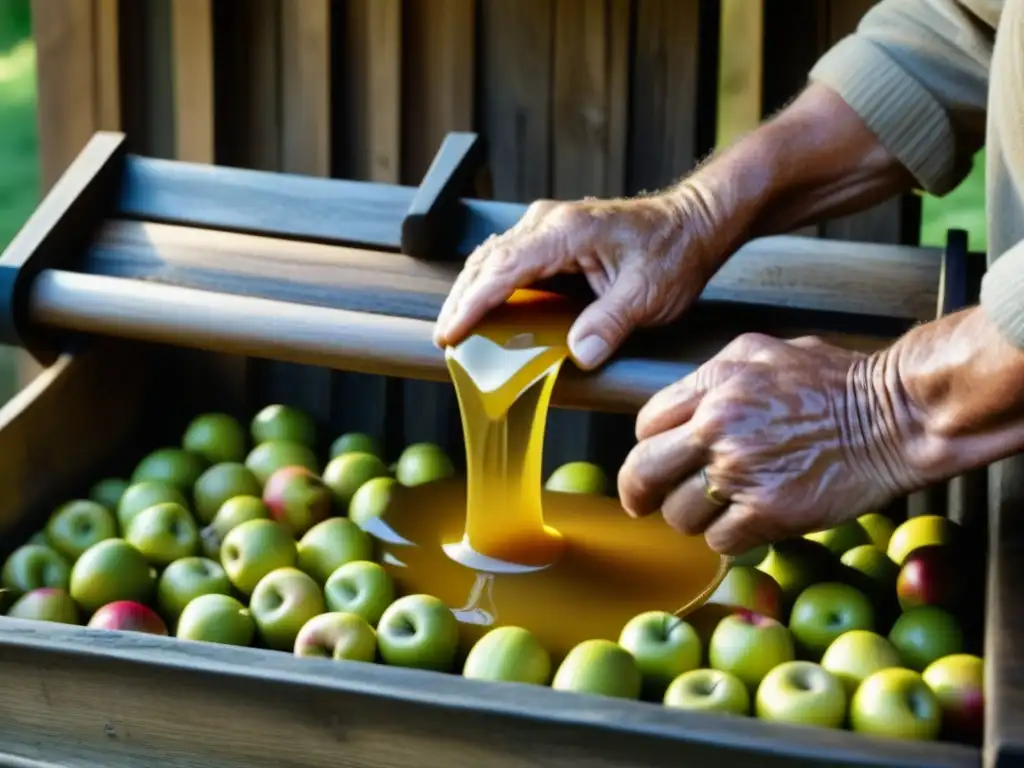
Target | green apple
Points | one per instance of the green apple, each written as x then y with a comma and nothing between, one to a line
140,496
184,580
920,531
283,422
958,682
282,602
174,466
253,549
896,703
873,571
110,571
217,437
345,474
39,537
339,636
77,525
266,458
825,611
752,557
856,654
923,635
801,693
879,529
842,538
297,498
108,492
599,667
356,442
748,645
219,484
578,477
509,654
231,514
31,566
423,463
164,533
795,564
216,618
46,604
418,631
362,587
329,545
708,690
743,588
371,500
663,646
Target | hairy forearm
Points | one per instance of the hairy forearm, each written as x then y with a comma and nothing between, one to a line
815,160
946,398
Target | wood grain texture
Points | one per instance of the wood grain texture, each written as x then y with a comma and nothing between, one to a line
347,340
121,699
306,148
898,282
741,69
59,433
192,52
516,113
665,75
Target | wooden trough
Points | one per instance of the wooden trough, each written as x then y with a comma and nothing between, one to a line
153,290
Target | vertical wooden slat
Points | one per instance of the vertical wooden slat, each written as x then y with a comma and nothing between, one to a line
366,140
438,76
192,51
664,118
439,45
515,94
741,74
78,89
589,122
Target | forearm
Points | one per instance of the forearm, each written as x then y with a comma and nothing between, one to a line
946,398
815,160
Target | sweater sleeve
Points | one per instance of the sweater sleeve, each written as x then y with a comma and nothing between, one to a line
916,71
1002,294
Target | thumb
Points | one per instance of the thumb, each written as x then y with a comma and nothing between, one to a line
603,326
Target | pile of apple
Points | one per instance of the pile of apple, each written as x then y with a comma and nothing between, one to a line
242,536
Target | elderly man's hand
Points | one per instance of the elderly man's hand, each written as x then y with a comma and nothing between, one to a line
794,435
646,259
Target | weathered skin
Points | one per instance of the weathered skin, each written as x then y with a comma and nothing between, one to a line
797,435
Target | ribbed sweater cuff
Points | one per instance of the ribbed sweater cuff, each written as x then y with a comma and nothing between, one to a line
907,119
1002,294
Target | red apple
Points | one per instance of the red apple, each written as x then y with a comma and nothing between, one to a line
931,575
128,616
744,588
958,682
297,498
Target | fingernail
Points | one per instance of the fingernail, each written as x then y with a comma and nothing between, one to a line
589,351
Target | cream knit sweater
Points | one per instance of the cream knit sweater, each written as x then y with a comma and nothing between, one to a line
935,80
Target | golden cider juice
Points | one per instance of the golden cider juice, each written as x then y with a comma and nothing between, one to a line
496,547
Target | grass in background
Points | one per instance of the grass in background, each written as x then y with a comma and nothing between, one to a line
19,162
963,208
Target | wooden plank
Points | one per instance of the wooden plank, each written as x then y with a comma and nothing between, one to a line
515,96
107,50
367,134
664,121
126,699
305,148
192,51
741,76
438,78
588,150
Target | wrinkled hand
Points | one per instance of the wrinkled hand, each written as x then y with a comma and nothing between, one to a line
645,260
795,436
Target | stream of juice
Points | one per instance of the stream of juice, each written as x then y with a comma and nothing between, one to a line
499,549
